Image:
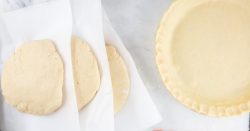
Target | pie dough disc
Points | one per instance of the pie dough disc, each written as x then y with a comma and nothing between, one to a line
119,77
32,78
86,72
203,55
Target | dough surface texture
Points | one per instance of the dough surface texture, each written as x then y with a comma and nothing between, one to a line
120,78
86,72
32,78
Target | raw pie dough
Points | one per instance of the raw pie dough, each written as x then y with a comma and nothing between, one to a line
120,78
32,78
203,55
86,72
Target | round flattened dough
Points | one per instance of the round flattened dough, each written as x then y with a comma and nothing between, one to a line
32,78
120,78
86,72
203,55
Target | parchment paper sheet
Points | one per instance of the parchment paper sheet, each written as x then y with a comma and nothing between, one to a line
139,112
98,115
51,20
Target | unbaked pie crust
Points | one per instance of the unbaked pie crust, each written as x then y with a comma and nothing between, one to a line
203,55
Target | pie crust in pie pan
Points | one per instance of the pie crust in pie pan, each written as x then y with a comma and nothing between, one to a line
203,55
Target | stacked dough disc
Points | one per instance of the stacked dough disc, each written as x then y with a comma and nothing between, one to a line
32,78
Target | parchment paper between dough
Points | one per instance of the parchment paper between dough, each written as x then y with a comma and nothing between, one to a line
139,112
98,115
51,20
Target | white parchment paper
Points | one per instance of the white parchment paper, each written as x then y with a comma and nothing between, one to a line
87,24
139,112
51,20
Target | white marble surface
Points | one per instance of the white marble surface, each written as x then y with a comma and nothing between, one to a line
136,22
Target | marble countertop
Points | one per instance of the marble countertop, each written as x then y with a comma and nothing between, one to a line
136,22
